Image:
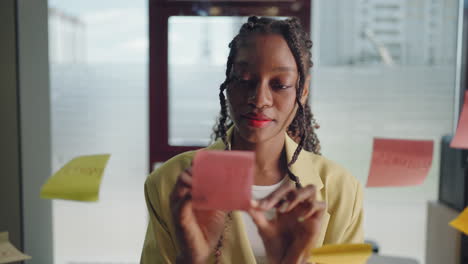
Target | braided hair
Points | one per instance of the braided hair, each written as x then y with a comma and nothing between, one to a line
302,128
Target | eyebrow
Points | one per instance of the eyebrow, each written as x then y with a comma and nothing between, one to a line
243,64
283,68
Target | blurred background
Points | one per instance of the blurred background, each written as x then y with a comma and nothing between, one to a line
382,68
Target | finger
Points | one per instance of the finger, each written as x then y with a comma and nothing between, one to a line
254,204
184,222
316,210
185,208
186,178
258,217
179,207
298,196
276,196
178,195
182,186
180,189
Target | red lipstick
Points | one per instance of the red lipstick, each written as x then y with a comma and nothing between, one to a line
257,120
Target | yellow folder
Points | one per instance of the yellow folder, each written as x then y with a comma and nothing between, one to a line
341,254
461,222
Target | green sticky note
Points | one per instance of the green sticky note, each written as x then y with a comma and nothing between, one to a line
78,180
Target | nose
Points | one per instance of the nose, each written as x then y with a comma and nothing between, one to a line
261,96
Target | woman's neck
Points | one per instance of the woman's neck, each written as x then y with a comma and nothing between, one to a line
270,158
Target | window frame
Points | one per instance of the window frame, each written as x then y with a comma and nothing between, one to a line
159,12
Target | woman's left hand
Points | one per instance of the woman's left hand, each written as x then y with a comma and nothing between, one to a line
291,235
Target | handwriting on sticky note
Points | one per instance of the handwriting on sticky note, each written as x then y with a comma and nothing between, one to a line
341,254
461,222
460,140
84,171
398,162
78,180
222,179
8,253
403,160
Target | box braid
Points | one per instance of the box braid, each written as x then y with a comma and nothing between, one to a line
302,128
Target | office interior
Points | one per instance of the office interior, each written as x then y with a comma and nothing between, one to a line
139,80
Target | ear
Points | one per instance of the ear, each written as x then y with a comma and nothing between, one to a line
305,91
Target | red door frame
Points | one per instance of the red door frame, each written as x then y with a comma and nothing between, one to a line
159,13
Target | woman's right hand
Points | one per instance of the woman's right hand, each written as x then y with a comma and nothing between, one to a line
292,234
197,231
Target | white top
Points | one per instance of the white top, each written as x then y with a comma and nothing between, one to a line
259,192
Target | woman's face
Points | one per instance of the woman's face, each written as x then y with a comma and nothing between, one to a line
262,94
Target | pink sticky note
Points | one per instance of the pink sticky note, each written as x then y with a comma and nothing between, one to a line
222,179
397,162
460,140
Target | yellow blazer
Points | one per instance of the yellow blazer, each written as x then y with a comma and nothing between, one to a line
342,222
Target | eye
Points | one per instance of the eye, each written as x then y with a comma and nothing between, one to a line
280,86
243,81
282,82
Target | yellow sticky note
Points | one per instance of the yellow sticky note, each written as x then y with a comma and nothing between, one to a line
461,222
8,253
78,180
341,254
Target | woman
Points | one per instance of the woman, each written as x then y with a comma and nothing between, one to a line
302,199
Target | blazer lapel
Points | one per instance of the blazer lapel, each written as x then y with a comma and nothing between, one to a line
308,174
303,167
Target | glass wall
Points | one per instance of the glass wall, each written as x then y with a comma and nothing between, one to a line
98,67
385,68
196,70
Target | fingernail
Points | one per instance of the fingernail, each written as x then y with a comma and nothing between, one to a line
283,207
254,203
300,219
